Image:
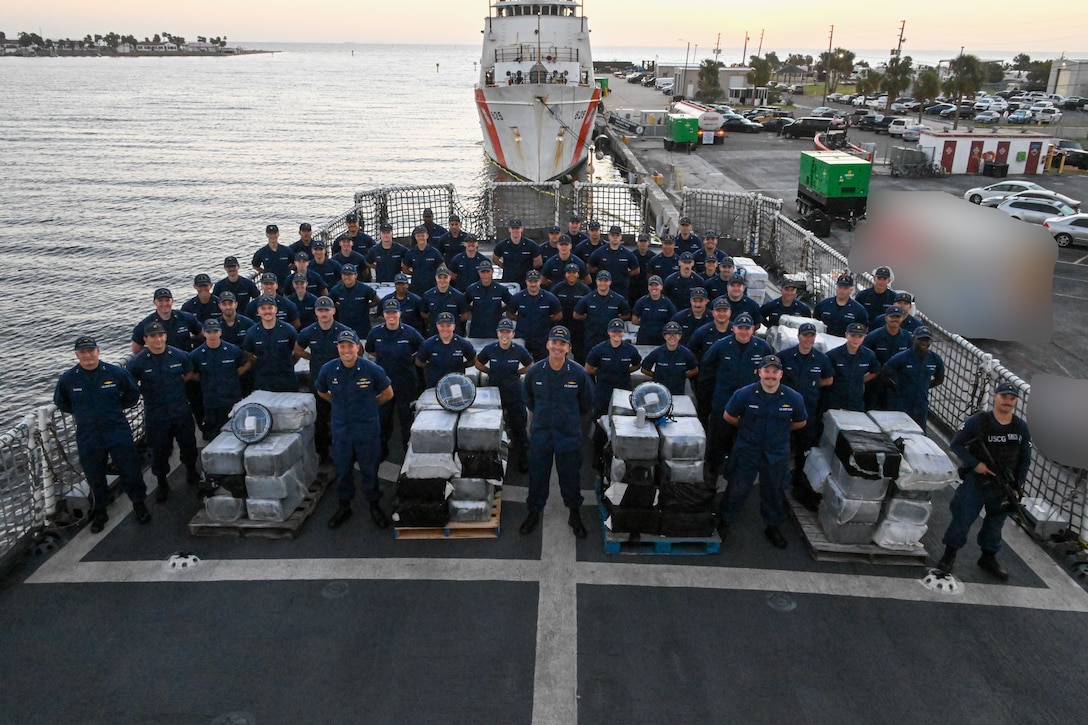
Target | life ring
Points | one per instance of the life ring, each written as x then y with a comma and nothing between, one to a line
988,156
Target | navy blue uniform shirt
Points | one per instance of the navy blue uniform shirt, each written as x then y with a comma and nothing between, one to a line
395,351
218,370
503,365
274,350
452,301
244,290
162,382
97,399
201,310
804,372
354,392
487,304
443,359
410,307
285,310
180,329
848,389
423,263
558,398
774,309
836,317
732,366
277,261
321,344
534,313
765,419
353,305
517,259
652,316
670,367
386,262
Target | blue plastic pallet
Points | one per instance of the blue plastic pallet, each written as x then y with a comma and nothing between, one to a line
650,545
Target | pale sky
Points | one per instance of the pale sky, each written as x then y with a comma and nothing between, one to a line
792,25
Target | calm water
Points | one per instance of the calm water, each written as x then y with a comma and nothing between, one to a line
121,175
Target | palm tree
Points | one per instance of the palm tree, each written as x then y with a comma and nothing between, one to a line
965,80
897,77
926,86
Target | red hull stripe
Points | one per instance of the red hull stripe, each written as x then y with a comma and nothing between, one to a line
587,123
492,132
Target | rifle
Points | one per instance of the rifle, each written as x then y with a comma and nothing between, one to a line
1001,476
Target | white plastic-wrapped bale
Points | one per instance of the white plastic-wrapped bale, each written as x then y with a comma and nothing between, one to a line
486,397
290,411
817,468
434,431
683,407
275,509
430,465
465,511
836,421
224,456
754,273
631,441
683,471
682,439
846,510
224,508
427,400
796,321
277,486
894,422
471,489
898,536
480,430
780,337
631,495
925,466
907,511
848,533
621,402
757,294
273,456
857,487
825,342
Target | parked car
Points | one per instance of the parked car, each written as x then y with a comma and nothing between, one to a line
648,81
898,125
992,103
637,77
807,126
988,117
937,108
1073,103
777,123
867,123
1048,115
735,122
1068,229
855,118
878,102
1002,189
1035,211
883,124
1044,194
1021,116
822,111
967,110
913,132
836,98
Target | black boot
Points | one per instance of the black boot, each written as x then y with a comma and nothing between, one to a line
162,489
529,525
576,525
378,516
723,529
343,513
192,476
140,512
988,562
774,534
99,517
948,560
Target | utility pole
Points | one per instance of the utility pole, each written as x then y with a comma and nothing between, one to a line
718,48
760,51
744,53
899,47
827,65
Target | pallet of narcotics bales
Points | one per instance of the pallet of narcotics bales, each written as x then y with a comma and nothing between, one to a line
488,529
203,525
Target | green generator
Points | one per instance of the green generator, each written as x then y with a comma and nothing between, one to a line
681,131
835,183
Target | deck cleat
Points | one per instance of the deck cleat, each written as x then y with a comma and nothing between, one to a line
941,582
182,561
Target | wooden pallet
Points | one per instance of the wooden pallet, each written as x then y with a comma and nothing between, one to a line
201,525
457,529
616,542
823,550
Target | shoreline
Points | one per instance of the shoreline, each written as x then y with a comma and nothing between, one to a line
141,54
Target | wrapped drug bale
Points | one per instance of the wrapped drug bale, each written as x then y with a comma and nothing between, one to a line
630,495
621,402
275,509
836,421
848,533
826,343
846,510
898,536
689,497
290,411
683,407
682,471
907,511
781,337
422,489
796,321
856,487
224,508
430,465
643,473
484,464
894,422
486,397
471,489
687,524
629,440
263,487
420,513
620,519
468,510
434,431
682,439
926,467
869,455
480,430
234,485
224,456
273,456
817,468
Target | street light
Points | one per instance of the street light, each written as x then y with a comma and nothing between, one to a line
685,71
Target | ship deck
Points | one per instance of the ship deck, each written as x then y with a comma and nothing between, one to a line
352,625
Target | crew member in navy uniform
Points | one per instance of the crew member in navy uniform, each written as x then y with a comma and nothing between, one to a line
709,250
355,388
233,325
97,394
854,365
453,241
360,240
285,309
740,302
394,345
643,255
732,363
318,344
434,231
840,310
183,331
271,346
671,364
305,239
444,298
487,302
243,288
598,307
911,374
315,283
204,304
328,269
534,310
558,391
162,370
717,284
651,312
905,302
387,256
219,365
465,264
885,342
876,299
806,370
550,247
505,362
569,292
303,301
410,303
273,257
665,262
574,231
554,271
517,254
787,304
687,240
694,314
421,261
678,285
704,337
444,353
353,301
994,449
764,413
611,363
617,259
592,242
346,254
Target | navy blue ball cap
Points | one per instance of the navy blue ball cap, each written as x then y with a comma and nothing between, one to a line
390,305
604,274
895,311
642,237
532,276
351,218
324,303
1007,389
744,320
154,328
845,280
616,325
687,257
685,220
564,239
420,230
857,328
385,227
883,272
272,229
654,279
571,267
400,278
672,328
737,278
515,223
202,279
668,239
727,261
85,342
710,234
923,333
806,328
318,244
266,300
163,292
445,318
442,271
348,336
904,297
574,219
721,303
299,256
697,293
228,296
615,229
212,323
454,218
485,265
506,324
770,361
296,278
349,269
559,334
269,278
231,261
554,229
304,227
594,224
428,213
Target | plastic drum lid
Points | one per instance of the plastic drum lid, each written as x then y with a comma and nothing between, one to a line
455,392
654,398
251,423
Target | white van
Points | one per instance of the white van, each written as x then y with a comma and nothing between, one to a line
899,125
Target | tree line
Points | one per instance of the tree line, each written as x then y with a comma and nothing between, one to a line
111,39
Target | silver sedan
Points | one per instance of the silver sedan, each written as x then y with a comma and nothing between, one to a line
1035,211
1068,229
